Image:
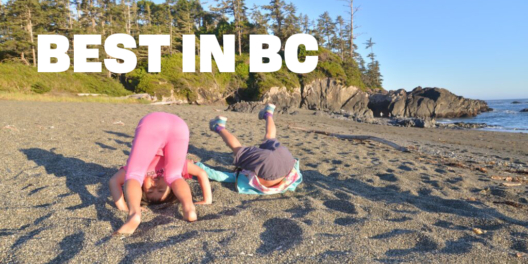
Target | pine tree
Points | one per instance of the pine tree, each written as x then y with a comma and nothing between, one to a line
341,36
327,29
276,14
237,9
305,24
260,21
292,24
23,16
373,77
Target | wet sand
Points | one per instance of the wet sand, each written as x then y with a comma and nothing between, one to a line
360,202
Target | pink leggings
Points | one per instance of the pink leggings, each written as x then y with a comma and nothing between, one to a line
155,133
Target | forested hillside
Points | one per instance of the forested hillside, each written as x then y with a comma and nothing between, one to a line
21,21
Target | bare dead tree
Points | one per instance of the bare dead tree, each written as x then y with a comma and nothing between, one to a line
352,12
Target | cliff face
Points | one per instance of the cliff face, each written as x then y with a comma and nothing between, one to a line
329,95
322,95
425,103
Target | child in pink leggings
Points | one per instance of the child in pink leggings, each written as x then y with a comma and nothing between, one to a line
161,142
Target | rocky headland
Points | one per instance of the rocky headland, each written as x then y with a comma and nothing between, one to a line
417,108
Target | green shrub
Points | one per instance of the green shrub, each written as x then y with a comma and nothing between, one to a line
40,88
154,85
15,77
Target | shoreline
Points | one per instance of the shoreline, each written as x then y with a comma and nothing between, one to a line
360,201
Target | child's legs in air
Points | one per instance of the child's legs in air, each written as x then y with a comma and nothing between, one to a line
148,139
271,130
175,152
218,125
267,114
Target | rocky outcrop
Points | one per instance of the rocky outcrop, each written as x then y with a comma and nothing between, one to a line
462,125
285,101
321,95
246,107
424,103
413,122
525,110
329,95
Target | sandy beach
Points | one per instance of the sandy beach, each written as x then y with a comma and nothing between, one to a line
449,200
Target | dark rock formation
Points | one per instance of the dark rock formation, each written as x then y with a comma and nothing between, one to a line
516,102
321,95
285,102
462,125
413,122
525,110
424,103
246,107
329,95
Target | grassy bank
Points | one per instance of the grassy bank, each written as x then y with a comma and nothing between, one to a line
19,78
17,96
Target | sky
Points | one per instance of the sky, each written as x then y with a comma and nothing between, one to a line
474,48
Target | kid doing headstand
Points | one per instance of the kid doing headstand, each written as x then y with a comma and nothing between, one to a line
155,170
268,169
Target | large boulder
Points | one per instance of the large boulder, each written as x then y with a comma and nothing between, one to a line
425,103
285,100
525,110
329,95
246,107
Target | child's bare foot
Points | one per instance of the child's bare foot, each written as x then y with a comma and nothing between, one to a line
130,226
189,213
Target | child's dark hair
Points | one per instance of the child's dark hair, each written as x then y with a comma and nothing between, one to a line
145,201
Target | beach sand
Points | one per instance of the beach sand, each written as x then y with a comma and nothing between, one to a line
360,202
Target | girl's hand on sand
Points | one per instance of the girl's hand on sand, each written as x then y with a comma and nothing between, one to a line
204,202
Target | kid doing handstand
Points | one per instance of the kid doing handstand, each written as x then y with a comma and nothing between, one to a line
269,168
155,170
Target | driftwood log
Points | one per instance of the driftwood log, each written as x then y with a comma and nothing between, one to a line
353,137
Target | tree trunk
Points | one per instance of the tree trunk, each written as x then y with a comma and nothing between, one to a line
351,28
341,41
170,26
149,18
128,20
23,59
238,13
30,31
78,11
92,16
70,21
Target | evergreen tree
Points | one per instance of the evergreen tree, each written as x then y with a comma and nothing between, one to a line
305,24
23,16
340,37
373,77
326,28
260,21
292,24
276,14
237,9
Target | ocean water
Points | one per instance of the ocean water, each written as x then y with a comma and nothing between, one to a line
505,116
